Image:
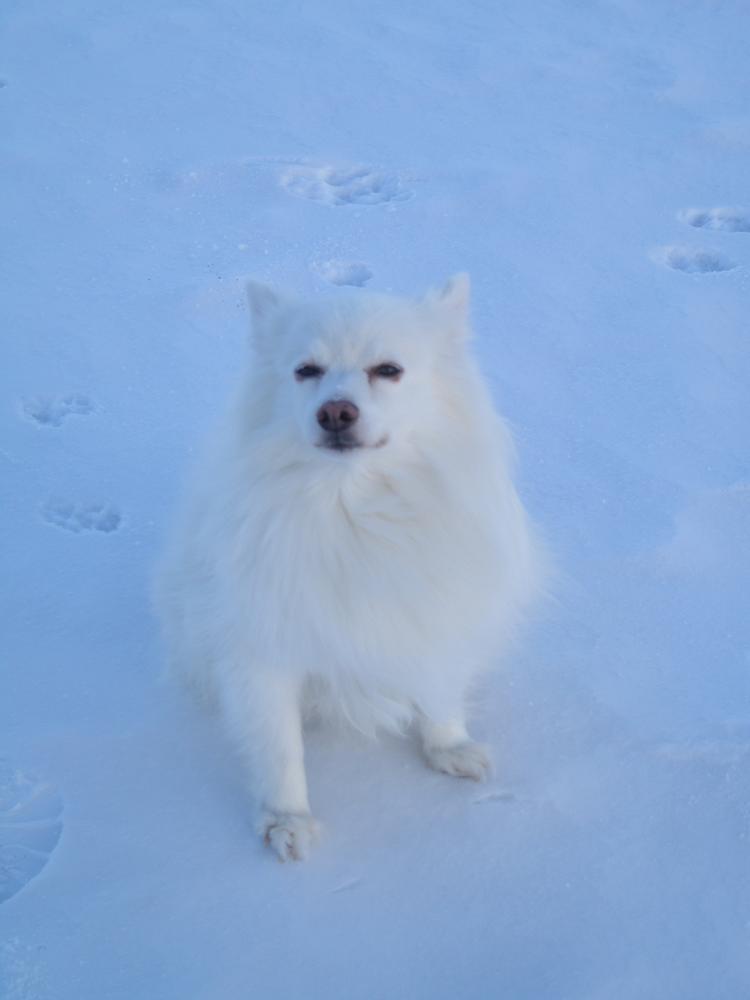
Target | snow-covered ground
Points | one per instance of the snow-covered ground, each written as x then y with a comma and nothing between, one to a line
588,163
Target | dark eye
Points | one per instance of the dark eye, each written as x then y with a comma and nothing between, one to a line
307,371
386,370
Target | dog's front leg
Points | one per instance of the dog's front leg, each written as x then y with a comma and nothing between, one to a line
265,722
448,748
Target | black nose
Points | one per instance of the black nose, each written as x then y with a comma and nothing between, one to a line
337,415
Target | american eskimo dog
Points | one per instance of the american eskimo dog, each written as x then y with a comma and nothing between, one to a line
353,543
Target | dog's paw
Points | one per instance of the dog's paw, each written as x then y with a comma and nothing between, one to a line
465,760
290,835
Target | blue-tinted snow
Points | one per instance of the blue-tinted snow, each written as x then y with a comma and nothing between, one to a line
588,164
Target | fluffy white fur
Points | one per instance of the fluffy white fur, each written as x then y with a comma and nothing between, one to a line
372,583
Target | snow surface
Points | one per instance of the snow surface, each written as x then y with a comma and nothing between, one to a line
587,162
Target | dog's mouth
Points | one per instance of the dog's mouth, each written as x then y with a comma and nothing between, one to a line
344,441
340,441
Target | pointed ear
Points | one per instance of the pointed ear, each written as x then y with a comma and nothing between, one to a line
263,301
265,304
452,299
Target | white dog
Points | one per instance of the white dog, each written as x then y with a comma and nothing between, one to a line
354,544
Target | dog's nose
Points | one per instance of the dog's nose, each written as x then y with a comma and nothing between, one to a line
337,415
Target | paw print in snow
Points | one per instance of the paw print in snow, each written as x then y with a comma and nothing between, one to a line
30,827
51,411
81,517
343,186
693,260
344,272
729,220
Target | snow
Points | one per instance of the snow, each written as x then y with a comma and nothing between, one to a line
587,163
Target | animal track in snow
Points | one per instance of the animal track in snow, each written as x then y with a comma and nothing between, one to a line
344,272
30,827
51,411
343,185
730,220
695,261
82,517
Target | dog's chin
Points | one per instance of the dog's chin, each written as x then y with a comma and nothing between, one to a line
347,443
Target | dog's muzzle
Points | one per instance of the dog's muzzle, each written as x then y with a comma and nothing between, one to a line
339,441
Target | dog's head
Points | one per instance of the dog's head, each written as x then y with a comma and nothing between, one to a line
358,373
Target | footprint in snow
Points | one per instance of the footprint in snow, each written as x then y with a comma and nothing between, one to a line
81,517
30,827
51,411
693,260
730,220
343,186
344,272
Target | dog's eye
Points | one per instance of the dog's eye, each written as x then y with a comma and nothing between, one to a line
307,371
386,370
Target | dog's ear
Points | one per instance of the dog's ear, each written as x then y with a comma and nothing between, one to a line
265,304
263,301
452,299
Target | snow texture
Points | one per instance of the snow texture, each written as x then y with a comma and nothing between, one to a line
30,827
344,272
575,159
